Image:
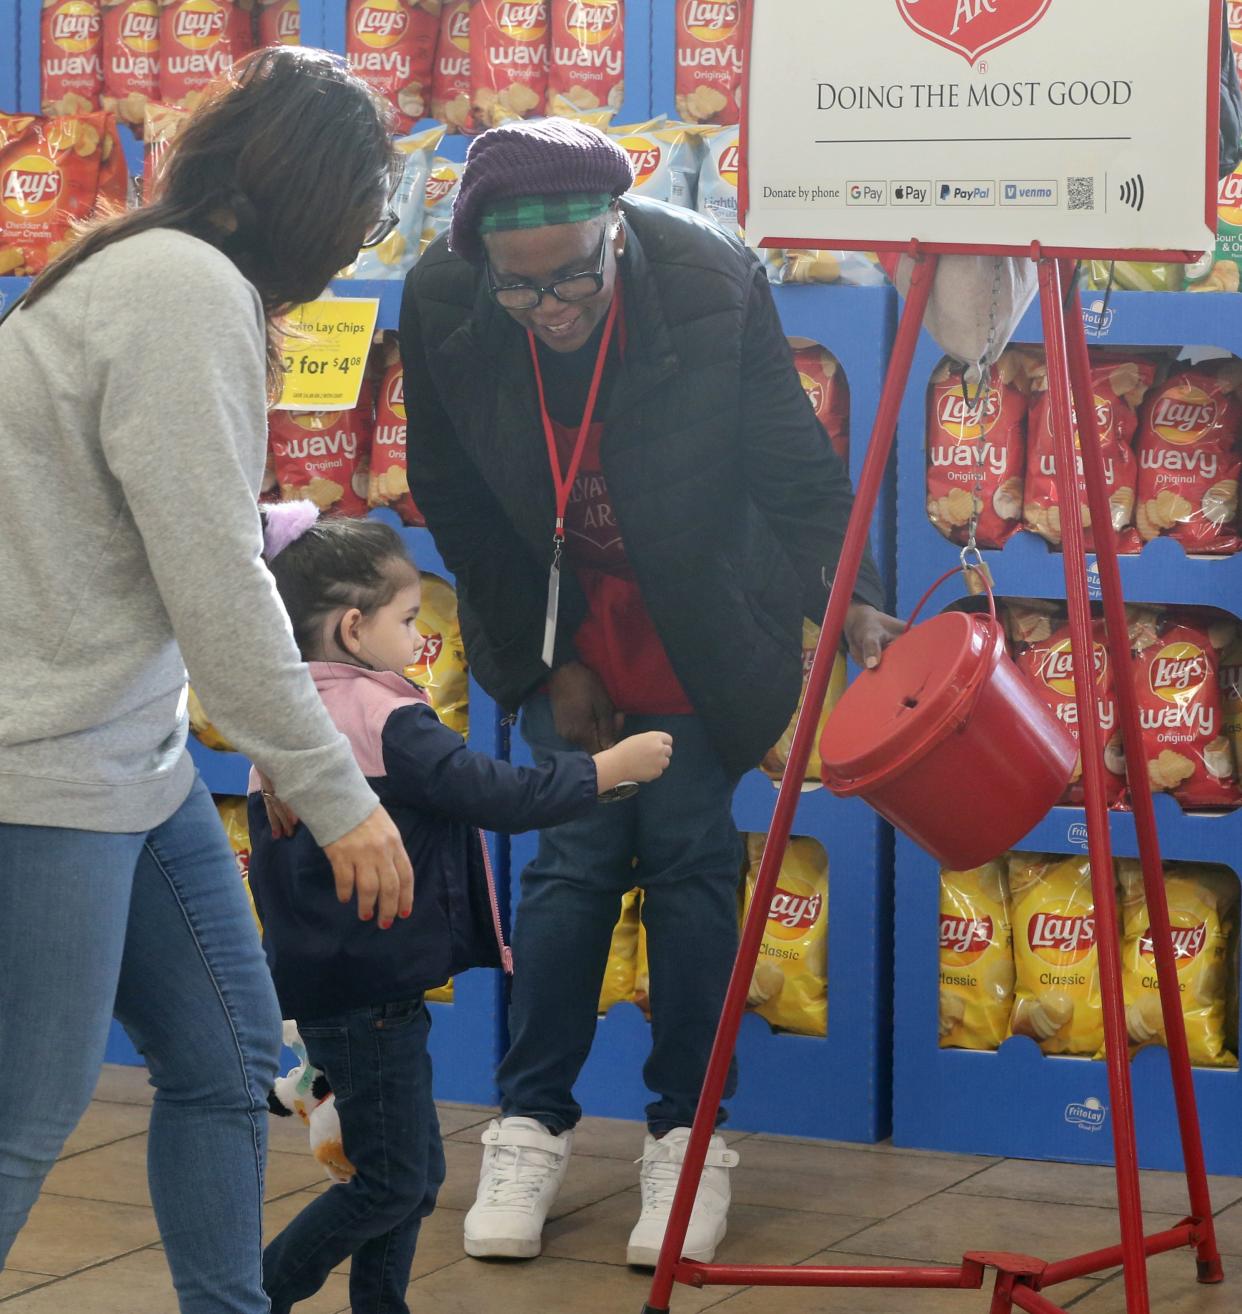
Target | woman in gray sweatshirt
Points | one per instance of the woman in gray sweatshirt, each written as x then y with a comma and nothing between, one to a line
134,380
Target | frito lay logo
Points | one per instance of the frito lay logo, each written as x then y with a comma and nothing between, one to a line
31,186
730,162
140,27
966,938
711,20
523,22
381,23
75,26
1061,940
972,27
458,28
592,21
1183,414
644,155
1056,668
794,909
396,395
1188,942
814,391
1178,671
1229,200
199,24
963,419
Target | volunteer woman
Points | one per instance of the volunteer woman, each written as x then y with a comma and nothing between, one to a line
612,449
135,378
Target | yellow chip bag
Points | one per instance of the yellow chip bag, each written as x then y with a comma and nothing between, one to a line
773,765
642,970
204,731
1057,1001
976,957
789,988
441,669
441,995
237,827
1202,910
618,987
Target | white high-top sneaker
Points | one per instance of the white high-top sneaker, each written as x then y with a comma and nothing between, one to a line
709,1220
523,1168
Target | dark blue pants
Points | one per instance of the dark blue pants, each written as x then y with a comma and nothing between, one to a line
377,1064
680,828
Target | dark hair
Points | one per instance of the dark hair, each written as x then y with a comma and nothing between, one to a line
282,172
336,563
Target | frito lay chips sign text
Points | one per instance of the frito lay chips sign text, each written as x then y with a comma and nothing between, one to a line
325,354
984,123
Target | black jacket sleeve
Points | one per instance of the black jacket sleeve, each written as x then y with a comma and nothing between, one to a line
795,478
1230,107
490,564
429,767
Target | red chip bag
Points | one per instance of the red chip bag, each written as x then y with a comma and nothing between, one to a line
588,53
200,41
322,456
49,178
389,485
1120,386
1190,455
160,125
131,57
280,22
1050,664
1177,677
976,439
709,60
824,382
392,45
450,80
508,59
113,193
71,53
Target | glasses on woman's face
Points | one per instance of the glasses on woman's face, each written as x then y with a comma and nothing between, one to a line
381,229
573,287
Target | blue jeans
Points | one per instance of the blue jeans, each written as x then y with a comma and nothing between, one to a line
681,830
376,1061
155,929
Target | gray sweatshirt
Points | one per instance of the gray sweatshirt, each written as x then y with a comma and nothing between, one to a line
132,443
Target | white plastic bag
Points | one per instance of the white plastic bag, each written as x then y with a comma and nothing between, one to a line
976,303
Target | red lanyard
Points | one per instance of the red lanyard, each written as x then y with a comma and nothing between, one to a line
565,484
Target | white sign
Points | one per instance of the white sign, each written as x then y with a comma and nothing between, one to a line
1080,124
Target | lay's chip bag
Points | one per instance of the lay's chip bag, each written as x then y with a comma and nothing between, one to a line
789,988
1203,903
619,972
976,957
666,158
718,180
443,184
773,764
236,826
441,994
203,730
441,669
1057,1001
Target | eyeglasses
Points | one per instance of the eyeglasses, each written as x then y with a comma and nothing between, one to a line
574,287
381,229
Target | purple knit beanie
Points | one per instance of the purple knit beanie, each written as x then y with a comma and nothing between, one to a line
533,157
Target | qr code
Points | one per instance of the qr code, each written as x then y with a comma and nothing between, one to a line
1082,193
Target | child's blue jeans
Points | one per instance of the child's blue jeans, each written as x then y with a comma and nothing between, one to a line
376,1061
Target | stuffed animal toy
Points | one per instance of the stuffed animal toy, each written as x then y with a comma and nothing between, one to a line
303,1091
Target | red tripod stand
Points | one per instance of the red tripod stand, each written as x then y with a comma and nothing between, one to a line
1021,1280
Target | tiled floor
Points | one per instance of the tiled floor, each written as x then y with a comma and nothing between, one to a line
91,1246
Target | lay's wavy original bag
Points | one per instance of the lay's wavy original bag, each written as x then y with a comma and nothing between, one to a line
789,988
1058,999
1203,905
976,957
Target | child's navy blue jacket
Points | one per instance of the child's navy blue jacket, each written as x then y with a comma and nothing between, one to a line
324,960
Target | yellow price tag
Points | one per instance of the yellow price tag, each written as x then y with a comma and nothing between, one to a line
325,353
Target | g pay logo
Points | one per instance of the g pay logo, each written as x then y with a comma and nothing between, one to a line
31,186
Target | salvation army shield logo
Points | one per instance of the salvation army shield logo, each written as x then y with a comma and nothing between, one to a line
972,27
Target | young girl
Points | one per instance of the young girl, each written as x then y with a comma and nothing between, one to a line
353,597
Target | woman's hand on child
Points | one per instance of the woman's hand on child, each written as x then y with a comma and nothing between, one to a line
639,758
371,862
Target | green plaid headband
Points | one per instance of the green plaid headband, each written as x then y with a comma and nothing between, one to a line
513,212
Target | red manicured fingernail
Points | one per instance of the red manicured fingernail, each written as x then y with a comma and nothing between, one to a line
384,926
366,916
405,914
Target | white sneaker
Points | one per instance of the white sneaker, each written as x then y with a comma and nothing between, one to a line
709,1219
523,1168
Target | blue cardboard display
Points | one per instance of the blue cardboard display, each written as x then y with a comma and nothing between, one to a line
1062,1109
8,56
